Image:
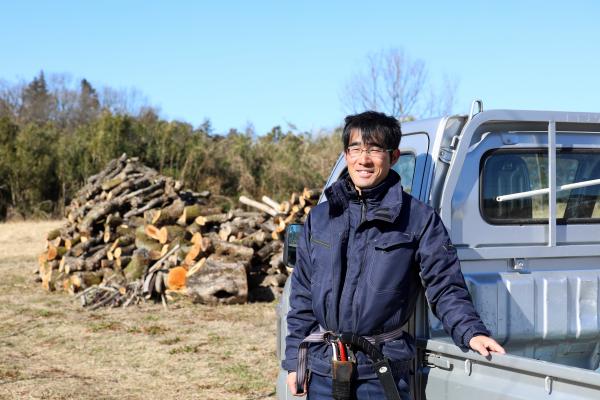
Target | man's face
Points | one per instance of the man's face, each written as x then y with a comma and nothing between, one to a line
366,170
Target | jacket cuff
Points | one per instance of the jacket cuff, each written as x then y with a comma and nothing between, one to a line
472,332
289,365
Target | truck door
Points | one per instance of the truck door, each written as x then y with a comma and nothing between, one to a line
413,162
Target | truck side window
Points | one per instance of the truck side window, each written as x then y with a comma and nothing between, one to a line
508,171
405,166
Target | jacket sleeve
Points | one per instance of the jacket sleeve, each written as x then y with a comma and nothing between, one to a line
445,286
300,318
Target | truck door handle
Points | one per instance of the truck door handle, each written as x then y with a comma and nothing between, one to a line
434,360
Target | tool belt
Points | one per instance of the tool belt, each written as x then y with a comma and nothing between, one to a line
343,362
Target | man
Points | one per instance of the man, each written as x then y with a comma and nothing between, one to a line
360,264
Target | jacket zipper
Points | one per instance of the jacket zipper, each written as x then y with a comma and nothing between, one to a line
363,211
363,217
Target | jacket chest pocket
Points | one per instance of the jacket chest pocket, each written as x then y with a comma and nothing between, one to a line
390,264
320,251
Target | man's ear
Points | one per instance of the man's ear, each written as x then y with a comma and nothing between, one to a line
395,155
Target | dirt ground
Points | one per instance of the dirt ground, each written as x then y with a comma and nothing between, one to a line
51,348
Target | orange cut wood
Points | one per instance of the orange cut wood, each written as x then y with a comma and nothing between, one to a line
153,232
51,252
196,238
192,254
176,278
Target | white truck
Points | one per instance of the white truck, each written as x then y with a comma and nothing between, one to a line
519,192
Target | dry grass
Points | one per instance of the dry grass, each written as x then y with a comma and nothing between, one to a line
53,349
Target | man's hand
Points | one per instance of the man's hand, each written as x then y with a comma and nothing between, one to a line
291,382
482,344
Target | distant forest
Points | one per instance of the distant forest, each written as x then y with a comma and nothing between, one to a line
54,134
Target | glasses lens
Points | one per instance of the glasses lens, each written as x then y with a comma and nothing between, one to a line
354,151
376,151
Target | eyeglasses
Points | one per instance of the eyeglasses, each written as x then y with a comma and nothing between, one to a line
372,151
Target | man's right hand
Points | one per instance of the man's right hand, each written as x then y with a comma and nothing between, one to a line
291,382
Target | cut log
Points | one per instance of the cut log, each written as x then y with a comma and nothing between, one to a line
271,203
125,231
225,231
268,226
155,202
55,252
53,234
56,242
196,238
192,254
107,234
267,251
84,246
170,232
287,220
253,240
83,280
294,199
72,264
132,182
176,278
260,206
285,207
111,183
196,267
121,261
232,251
190,213
114,220
213,219
280,227
258,216
152,232
218,282
139,262
143,241
170,214
92,262
311,194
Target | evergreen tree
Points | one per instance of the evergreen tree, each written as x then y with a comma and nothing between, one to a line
37,101
89,105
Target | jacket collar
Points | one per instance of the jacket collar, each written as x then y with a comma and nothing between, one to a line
384,201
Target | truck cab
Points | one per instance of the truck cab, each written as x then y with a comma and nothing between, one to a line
519,192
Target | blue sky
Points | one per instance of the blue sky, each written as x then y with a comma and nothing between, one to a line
277,62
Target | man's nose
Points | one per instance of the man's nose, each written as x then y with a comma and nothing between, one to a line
364,157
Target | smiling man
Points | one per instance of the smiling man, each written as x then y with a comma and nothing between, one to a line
361,262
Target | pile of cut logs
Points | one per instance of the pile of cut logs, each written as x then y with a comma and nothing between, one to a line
132,234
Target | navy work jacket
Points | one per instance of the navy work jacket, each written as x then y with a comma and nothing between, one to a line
361,263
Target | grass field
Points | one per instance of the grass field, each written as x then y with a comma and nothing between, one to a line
51,348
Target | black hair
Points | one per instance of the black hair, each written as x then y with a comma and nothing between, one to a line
375,128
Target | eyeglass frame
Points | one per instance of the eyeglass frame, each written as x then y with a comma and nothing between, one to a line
366,150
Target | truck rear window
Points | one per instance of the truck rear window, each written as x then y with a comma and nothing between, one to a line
508,171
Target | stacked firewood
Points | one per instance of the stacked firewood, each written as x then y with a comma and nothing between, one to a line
133,234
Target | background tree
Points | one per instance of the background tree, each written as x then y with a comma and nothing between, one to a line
37,102
393,83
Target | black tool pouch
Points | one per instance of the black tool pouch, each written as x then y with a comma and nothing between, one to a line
342,372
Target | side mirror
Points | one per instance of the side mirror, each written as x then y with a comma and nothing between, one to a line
292,234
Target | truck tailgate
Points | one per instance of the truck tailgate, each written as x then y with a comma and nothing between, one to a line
451,373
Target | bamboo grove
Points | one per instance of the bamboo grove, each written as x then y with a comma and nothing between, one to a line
52,137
